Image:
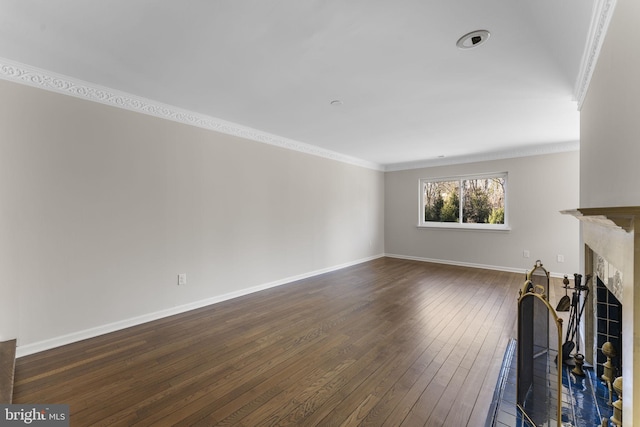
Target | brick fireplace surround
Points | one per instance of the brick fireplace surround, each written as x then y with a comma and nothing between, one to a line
613,234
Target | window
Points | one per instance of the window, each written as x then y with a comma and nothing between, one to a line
477,201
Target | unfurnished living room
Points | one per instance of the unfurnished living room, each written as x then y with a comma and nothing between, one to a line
319,212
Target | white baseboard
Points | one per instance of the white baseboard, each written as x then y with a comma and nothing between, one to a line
25,350
470,264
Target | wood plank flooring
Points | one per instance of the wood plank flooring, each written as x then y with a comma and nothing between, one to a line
7,369
385,343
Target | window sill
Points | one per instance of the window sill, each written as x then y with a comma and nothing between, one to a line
457,226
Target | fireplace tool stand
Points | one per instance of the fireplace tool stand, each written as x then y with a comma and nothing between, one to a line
572,339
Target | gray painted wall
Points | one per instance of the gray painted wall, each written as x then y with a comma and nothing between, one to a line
538,188
102,208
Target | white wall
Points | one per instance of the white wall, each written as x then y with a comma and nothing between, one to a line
609,163
610,117
538,188
102,208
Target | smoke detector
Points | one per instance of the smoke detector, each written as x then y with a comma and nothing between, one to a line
473,39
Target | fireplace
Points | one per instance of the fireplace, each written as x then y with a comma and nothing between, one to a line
612,255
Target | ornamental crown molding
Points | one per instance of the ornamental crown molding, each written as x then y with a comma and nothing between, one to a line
47,80
600,20
535,150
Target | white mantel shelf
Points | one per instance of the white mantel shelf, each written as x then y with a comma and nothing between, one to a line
617,217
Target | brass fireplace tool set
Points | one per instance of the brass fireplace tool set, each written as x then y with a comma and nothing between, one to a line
575,309
533,307
616,384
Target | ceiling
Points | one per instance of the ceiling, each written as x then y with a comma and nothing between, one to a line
408,94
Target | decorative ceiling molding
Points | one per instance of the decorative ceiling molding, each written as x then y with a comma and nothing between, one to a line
602,14
527,151
32,76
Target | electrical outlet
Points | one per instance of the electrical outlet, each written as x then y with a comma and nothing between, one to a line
560,258
182,279
525,253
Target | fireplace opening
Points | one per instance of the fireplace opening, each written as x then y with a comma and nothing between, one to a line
608,317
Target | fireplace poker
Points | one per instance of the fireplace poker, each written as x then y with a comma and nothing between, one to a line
575,315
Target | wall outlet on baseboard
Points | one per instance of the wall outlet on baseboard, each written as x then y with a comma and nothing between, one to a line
560,258
525,253
182,279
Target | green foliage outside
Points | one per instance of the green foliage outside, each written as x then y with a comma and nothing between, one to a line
442,203
451,209
482,201
497,216
476,206
433,213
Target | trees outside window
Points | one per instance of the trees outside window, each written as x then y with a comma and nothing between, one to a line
441,201
477,200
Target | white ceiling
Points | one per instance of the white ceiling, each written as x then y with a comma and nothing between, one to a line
408,93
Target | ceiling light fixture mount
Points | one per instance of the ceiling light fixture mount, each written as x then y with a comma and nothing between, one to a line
473,39
336,102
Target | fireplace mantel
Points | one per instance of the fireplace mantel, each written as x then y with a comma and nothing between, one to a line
617,217
613,233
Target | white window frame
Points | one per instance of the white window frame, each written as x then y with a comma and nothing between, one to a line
461,225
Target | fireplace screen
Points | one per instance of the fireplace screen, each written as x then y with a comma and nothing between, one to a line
539,375
539,276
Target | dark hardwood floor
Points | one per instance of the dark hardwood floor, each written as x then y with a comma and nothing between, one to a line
385,343
7,369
